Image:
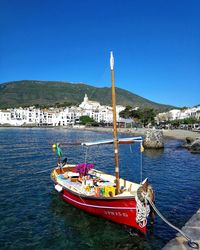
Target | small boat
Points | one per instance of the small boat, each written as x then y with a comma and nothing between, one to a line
99,193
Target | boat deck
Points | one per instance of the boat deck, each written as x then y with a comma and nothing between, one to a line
96,183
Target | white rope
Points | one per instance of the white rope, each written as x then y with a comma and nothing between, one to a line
142,212
191,243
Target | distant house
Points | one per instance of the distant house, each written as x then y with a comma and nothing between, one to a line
98,112
5,117
59,117
177,114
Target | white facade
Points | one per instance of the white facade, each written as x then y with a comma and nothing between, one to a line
97,112
59,117
87,104
5,117
177,114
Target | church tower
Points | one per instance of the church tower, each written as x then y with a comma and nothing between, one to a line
85,98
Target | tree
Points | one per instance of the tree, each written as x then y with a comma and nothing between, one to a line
136,114
86,120
126,113
147,116
175,123
144,116
190,120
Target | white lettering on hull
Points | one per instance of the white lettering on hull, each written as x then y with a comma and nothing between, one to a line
116,213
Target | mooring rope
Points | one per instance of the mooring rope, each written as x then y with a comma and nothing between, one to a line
190,242
142,212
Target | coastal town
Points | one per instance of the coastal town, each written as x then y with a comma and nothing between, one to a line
70,116
100,125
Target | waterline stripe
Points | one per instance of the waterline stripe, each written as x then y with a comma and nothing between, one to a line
88,205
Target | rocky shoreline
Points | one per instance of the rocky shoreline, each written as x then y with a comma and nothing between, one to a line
178,134
154,139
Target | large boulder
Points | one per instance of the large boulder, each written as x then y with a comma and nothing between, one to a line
188,142
195,146
153,139
192,144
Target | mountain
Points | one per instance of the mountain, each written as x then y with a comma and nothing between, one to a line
31,92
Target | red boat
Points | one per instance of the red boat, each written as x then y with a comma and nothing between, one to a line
99,193
100,199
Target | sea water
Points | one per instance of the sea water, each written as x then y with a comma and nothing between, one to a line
33,216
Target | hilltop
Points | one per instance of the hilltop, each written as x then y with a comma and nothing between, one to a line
32,92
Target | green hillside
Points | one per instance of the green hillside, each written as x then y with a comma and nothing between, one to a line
26,93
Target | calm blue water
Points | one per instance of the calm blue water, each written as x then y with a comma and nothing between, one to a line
33,216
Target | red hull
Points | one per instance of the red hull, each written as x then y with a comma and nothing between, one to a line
119,210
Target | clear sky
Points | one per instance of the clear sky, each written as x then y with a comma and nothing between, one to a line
156,45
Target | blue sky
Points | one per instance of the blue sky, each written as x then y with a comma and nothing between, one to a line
156,45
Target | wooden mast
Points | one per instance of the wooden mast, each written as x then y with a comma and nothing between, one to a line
114,123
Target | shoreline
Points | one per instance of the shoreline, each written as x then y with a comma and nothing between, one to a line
179,134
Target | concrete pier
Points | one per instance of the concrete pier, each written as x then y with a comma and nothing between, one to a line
191,229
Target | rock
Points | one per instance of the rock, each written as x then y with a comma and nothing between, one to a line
192,145
195,146
189,141
153,139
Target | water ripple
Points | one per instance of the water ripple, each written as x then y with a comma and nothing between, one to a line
33,216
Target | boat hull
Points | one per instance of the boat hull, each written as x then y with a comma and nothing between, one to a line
119,210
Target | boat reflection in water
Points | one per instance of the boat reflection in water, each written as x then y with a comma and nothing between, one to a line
78,230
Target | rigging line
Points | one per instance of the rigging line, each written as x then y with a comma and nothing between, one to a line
190,242
44,170
79,194
86,154
131,148
141,170
94,159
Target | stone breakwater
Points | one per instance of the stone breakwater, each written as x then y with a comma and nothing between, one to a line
192,229
153,139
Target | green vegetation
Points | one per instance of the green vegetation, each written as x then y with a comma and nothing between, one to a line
45,94
186,121
142,116
147,116
85,120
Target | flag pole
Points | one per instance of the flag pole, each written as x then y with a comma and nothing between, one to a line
114,123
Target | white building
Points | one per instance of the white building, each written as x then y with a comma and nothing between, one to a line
174,114
177,114
59,117
97,112
5,116
89,105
